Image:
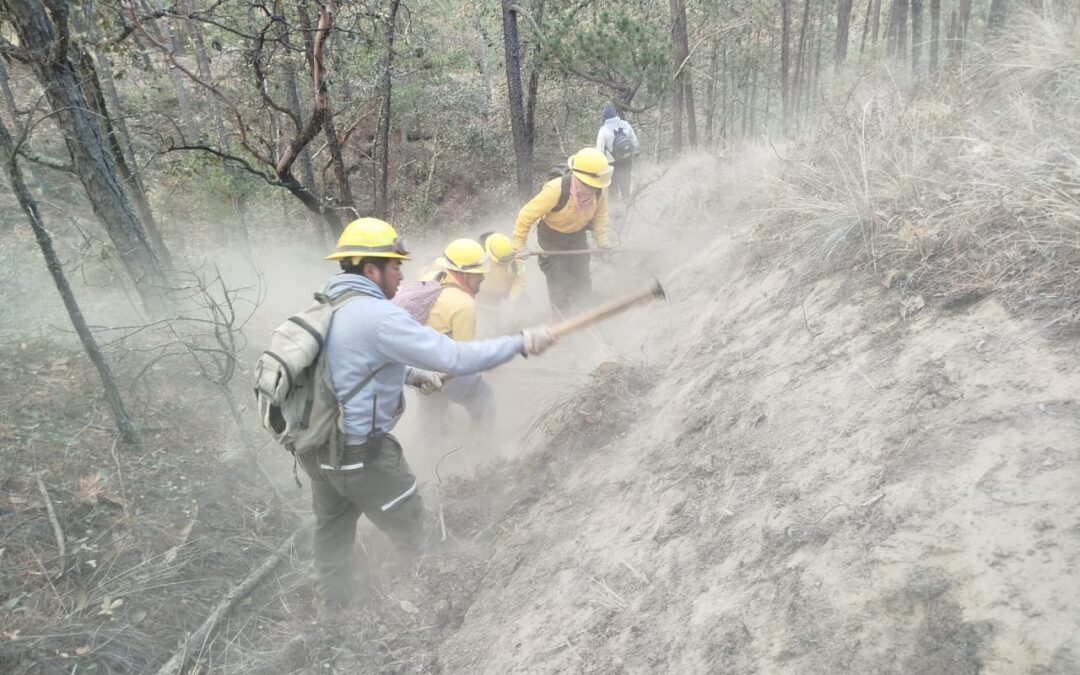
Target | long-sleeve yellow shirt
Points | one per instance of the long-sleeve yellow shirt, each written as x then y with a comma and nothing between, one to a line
567,219
504,281
454,312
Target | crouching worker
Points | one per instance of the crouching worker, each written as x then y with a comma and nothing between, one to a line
373,348
563,211
505,279
462,268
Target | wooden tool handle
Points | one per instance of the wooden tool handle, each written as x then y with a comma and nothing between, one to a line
608,309
583,251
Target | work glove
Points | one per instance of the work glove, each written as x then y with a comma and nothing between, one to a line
427,381
537,340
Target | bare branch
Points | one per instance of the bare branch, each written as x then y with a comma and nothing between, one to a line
240,124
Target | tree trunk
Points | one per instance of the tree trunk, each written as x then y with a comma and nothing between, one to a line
518,123
233,178
800,59
876,24
187,117
292,94
999,10
711,93
95,96
901,29
691,111
347,201
896,31
684,87
47,45
935,34
337,159
916,36
382,136
843,24
785,63
29,206
866,26
534,83
953,38
962,27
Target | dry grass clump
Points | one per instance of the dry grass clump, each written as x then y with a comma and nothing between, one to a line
970,189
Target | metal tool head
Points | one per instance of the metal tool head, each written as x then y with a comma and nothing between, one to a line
658,290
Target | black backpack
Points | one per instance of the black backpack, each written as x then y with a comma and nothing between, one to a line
622,148
560,170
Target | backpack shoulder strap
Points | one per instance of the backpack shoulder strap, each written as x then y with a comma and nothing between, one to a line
564,193
337,301
355,389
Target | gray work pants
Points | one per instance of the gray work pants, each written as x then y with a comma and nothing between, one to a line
379,485
568,280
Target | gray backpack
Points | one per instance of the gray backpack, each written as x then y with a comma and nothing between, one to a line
622,148
296,400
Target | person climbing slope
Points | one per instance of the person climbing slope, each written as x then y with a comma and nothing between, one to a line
617,140
373,348
505,279
565,208
463,265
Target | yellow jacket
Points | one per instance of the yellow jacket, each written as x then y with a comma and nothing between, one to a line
454,312
504,281
565,220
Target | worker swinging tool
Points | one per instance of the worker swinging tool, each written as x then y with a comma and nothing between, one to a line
330,389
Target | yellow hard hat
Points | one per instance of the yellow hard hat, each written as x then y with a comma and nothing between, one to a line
591,167
369,238
465,255
499,247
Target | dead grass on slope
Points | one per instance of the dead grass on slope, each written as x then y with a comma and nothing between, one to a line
968,189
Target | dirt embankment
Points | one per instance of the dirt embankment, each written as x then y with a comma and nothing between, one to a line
805,477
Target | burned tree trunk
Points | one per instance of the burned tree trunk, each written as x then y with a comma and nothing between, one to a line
46,41
95,96
29,206
534,85
518,122
382,136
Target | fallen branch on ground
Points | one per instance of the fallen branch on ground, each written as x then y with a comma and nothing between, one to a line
203,633
57,530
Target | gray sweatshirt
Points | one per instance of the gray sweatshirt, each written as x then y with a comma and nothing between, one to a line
371,334
606,136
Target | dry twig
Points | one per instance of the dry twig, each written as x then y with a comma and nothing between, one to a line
203,634
57,530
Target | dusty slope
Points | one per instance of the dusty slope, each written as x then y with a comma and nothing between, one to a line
800,480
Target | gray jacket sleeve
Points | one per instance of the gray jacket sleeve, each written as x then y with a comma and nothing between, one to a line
401,339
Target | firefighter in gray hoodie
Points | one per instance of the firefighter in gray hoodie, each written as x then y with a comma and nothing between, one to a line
617,140
373,349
